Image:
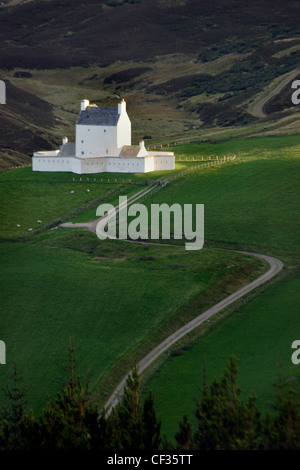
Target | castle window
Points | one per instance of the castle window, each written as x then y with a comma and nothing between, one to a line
82,141
106,152
104,130
82,153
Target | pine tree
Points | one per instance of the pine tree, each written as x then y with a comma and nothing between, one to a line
13,414
151,426
129,414
282,432
224,421
137,425
184,437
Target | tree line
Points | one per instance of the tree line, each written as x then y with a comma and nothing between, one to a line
224,421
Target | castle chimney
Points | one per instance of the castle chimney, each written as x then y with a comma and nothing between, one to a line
121,107
64,140
142,144
84,104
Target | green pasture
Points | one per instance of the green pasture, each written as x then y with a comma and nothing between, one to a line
120,299
117,299
259,334
253,200
27,196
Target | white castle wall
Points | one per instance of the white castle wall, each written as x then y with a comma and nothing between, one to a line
96,141
125,165
49,161
92,165
102,165
163,161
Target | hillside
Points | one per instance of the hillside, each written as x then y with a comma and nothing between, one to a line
25,123
187,69
69,33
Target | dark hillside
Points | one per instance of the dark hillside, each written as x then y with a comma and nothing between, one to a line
67,33
25,121
181,64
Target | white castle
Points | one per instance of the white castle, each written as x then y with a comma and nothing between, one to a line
103,144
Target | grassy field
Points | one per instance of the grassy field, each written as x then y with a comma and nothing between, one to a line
117,300
260,334
252,200
28,196
251,203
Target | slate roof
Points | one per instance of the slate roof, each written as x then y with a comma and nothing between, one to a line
129,151
95,116
67,150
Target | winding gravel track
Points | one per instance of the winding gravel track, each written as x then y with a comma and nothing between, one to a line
98,227
275,267
256,109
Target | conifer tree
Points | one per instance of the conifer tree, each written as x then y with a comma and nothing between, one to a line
224,421
13,414
282,431
184,437
151,426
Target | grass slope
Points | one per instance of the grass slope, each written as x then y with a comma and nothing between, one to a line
260,334
254,199
29,196
117,299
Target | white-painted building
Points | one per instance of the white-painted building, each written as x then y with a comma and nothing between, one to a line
103,144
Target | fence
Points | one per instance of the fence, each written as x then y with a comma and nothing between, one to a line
165,180
198,167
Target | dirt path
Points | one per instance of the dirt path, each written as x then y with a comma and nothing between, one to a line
256,109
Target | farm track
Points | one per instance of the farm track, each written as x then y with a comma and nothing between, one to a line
257,109
98,227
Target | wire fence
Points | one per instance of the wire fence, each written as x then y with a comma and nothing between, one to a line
159,184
